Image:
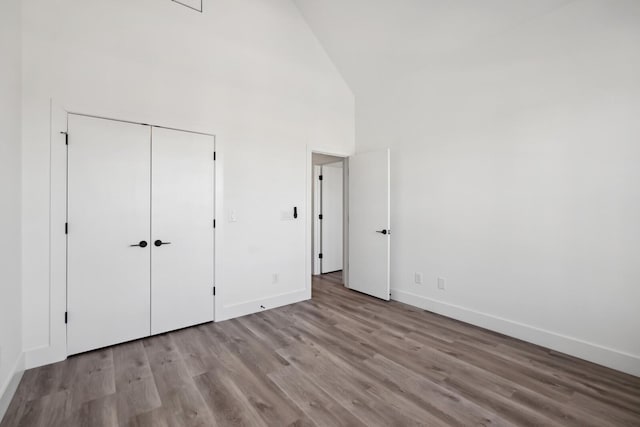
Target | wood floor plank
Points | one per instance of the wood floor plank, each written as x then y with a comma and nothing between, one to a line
130,364
319,406
160,417
196,349
334,376
340,359
187,406
264,396
462,411
101,412
137,397
229,406
253,352
46,411
87,377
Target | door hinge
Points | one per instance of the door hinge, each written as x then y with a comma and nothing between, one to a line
66,317
66,228
214,156
214,291
320,256
320,216
320,177
66,138
214,223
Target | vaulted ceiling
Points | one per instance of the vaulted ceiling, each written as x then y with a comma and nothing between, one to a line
371,41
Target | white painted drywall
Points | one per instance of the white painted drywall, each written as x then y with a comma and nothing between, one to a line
249,71
516,161
10,287
374,41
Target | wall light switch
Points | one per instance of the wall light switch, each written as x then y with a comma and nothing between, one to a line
418,278
441,283
233,216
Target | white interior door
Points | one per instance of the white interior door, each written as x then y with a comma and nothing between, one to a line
108,282
317,227
182,217
332,216
369,223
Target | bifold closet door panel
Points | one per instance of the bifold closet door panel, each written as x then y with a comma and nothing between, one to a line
182,214
108,282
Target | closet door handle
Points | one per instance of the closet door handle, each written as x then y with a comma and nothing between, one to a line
142,244
160,243
382,231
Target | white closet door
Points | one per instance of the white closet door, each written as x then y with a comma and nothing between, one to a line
182,216
108,283
332,216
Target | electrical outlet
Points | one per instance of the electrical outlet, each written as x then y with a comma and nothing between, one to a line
417,278
274,278
441,283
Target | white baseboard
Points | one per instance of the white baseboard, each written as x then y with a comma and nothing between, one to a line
45,355
595,353
11,385
257,305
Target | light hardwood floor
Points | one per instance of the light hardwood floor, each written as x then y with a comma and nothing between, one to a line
340,359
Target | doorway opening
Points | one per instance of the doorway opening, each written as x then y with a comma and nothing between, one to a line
329,205
363,234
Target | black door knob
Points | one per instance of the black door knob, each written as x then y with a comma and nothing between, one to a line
160,243
142,244
382,231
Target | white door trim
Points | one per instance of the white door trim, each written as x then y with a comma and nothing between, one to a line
310,219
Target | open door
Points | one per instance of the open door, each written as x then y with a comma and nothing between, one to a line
369,223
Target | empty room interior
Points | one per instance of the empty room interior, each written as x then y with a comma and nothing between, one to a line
319,213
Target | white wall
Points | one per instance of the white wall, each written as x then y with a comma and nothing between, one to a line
249,71
515,176
10,291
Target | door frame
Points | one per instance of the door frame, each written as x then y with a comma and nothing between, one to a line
311,218
319,209
56,349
